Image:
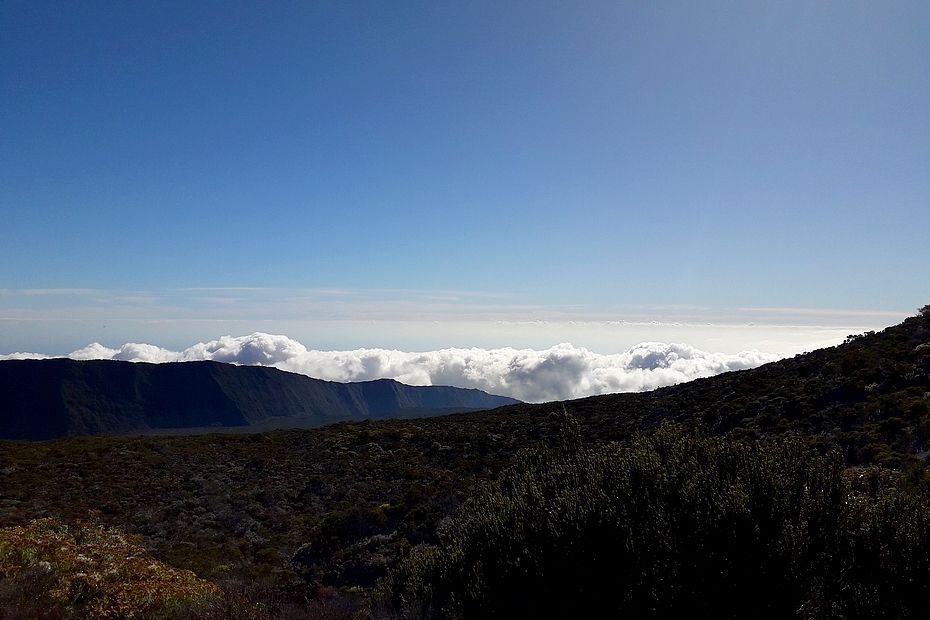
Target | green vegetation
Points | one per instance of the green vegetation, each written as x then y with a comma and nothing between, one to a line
276,517
675,526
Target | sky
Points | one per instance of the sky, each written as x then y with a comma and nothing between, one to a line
422,175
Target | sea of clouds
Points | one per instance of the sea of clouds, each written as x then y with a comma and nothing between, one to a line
560,372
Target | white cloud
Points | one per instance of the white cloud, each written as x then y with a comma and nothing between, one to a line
94,351
21,355
135,352
129,352
559,372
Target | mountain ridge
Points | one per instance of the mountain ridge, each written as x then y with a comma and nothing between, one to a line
46,399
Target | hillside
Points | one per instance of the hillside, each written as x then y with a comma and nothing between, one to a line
44,399
335,507
870,397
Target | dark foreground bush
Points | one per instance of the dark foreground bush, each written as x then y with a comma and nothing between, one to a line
674,526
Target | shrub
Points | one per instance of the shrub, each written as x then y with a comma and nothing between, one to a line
48,569
673,526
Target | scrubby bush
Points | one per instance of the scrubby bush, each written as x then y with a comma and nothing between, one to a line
51,570
674,526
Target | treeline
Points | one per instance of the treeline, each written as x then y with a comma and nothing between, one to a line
676,525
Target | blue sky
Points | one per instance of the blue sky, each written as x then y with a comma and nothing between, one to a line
474,161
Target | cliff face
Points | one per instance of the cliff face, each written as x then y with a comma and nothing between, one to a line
44,399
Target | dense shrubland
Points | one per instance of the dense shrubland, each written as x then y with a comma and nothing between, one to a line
676,526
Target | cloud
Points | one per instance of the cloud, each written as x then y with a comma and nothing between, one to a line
94,351
20,355
559,372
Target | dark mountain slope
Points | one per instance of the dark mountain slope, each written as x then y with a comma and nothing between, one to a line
43,399
870,396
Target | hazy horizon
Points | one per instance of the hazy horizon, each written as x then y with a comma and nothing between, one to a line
558,372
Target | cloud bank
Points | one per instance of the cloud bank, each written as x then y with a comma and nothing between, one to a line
560,372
